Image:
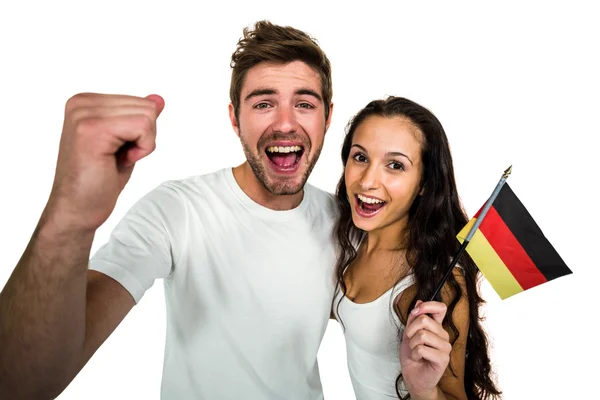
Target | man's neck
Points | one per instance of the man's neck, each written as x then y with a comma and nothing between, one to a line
254,189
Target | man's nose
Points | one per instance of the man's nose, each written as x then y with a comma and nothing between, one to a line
285,120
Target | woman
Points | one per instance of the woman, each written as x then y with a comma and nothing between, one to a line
399,216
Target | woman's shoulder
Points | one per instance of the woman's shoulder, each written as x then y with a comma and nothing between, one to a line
407,292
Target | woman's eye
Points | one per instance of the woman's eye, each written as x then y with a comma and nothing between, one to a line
360,157
396,165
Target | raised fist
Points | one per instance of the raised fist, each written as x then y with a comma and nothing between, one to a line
103,137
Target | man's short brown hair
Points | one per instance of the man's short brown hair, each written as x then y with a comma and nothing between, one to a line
267,42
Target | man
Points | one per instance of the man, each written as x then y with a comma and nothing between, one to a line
244,252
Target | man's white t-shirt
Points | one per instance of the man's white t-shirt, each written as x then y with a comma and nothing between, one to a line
248,289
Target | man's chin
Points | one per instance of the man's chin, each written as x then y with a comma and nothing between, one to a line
285,187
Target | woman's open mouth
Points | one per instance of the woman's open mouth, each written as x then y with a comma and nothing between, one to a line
368,207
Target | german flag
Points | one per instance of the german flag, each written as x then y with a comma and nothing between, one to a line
510,249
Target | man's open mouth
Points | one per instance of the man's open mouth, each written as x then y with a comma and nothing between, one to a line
285,158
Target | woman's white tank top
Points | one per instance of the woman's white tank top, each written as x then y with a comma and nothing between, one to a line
372,332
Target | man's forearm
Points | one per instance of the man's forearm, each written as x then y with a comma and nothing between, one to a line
42,313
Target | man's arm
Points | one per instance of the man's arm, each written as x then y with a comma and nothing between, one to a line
107,305
53,316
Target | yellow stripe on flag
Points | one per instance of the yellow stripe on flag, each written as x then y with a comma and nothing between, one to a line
489,263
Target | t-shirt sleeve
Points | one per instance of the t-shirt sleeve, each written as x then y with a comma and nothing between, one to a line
143,245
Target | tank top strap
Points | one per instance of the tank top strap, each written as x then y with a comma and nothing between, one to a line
401,286
404,283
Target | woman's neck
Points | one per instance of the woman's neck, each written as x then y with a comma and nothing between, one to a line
391,238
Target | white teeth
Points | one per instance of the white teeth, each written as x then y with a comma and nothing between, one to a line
369,200
282,149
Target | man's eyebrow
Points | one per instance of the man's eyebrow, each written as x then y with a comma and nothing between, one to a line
260,92
267,91
310,92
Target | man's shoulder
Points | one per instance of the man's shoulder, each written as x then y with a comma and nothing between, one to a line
174,193
323,200
320,194
196,184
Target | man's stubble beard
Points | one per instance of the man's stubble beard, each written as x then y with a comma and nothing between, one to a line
282,187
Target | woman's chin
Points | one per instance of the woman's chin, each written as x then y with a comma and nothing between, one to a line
363,225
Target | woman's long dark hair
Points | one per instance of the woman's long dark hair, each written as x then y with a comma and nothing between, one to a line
436,216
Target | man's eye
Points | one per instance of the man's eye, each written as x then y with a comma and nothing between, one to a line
305,105
262,105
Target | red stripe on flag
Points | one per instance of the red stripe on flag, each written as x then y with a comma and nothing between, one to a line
510,250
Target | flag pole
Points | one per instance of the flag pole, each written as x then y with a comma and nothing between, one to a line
474,228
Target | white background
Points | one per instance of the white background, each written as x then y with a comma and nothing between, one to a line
512,84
